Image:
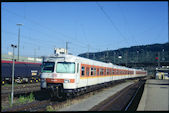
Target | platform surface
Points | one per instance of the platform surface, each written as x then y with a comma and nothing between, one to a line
155,96
91,101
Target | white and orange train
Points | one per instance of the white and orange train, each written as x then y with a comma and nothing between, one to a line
68,74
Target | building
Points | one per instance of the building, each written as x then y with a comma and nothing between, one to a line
60,51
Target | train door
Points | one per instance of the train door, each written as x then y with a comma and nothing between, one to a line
112,74
77,73
87,75
82,75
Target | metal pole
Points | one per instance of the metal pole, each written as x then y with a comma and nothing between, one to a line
158,59
94,56
66,47
88,51
137,59
13,69
35,55
114,57
18,38
126,58
107,56
18,41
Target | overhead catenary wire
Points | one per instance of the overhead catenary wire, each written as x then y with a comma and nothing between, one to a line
32,41
32,21
112,23
47,28
29,42
126,24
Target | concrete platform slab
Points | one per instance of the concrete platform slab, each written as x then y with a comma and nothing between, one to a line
90,102
155,96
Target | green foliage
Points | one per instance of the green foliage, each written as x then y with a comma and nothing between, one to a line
49,108
23,99
9,97
134,54
31,97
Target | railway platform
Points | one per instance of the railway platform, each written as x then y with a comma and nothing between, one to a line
155,96
90,102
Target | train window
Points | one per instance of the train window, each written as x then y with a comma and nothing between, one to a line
65,67
101,71
104,73
115,72
112,72
83,71
48,67
87,71
91,73
97,71
94,71
108,72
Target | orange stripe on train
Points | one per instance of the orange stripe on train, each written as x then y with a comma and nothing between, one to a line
51,80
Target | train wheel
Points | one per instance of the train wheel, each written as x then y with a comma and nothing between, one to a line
57,93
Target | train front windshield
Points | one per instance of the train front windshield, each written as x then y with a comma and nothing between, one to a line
48,67
65,67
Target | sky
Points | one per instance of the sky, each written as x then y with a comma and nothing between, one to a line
86,26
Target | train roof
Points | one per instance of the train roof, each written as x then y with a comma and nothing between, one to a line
72,58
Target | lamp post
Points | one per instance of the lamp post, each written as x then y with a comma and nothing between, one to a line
137,58
114,57
13,46
18,38
119,57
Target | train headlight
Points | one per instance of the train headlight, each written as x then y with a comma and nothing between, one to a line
66,81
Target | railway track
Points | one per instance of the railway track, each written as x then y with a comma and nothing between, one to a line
5,91
33,106
124,100
41,105
20,90
19,86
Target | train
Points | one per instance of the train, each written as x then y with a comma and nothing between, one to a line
162,73
24,72
65,75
